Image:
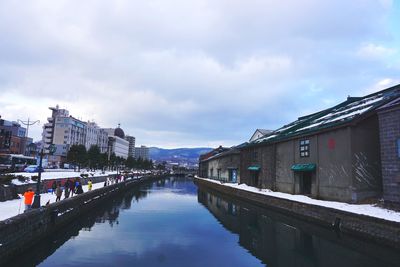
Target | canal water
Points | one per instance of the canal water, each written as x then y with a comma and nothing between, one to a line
173,223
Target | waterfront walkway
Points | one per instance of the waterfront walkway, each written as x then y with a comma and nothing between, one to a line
14,207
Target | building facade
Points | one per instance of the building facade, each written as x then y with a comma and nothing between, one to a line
116,143
131,140
96,136
204,170
63,131
49,127
12,137
389,127
333,154
142,152
225,166
259,133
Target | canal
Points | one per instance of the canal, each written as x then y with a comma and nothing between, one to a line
173,223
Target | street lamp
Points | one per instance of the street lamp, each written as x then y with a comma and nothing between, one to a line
36,200
27,123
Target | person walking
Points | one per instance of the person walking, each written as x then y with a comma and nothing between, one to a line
90,185
72,187
28,198
78,187
67,185
53,187
58,192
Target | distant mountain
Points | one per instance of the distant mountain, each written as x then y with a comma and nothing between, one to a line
178,155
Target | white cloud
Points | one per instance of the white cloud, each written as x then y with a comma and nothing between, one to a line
373,51
189,72
381,84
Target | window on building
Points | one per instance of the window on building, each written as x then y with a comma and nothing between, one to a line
304,148
255,156
219,173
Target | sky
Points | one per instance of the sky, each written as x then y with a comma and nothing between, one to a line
199,73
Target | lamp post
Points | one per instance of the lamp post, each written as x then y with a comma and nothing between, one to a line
36,200
27,123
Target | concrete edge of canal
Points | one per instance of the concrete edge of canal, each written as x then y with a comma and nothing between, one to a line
21,232
365,227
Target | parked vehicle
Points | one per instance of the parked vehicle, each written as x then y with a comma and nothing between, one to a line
32,168
14,162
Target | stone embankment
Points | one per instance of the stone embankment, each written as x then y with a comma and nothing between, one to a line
22,231
8,192
365,227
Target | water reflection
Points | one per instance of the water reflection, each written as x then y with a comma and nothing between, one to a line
171,222
108,213
279,240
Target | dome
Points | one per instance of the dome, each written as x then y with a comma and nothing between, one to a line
119,132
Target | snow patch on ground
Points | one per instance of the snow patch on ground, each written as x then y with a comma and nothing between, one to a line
363,209
14,207
58,175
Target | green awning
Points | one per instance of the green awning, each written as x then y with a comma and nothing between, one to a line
304,167
253,168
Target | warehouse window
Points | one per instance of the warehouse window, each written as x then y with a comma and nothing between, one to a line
304,148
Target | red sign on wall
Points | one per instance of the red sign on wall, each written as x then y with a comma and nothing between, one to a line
331,143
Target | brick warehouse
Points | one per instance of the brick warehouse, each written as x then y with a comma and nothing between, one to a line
333,154
389,126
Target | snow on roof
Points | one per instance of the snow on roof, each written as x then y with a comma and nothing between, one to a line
344,112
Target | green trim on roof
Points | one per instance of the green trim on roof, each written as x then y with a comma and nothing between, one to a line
304,167
253,168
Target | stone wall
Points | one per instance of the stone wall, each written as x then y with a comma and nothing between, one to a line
22,231
389,124
362,226
8,192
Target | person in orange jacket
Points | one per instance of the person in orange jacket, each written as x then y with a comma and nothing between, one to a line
28,195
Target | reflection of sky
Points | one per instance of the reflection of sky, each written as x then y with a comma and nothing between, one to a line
166,228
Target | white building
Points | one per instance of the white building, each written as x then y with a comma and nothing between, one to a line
96,136
48,128
116,142
259,133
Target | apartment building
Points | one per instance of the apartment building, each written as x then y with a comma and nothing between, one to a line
142,152
64,130
131,140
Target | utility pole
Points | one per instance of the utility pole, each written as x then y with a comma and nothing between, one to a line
36,200
27,123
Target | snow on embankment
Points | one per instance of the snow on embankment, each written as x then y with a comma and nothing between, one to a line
363,209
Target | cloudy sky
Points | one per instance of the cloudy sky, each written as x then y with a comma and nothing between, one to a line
178,73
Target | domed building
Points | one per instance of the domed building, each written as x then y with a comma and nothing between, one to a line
119,132
116,142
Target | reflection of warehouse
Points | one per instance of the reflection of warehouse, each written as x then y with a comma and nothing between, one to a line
226,212
280,241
